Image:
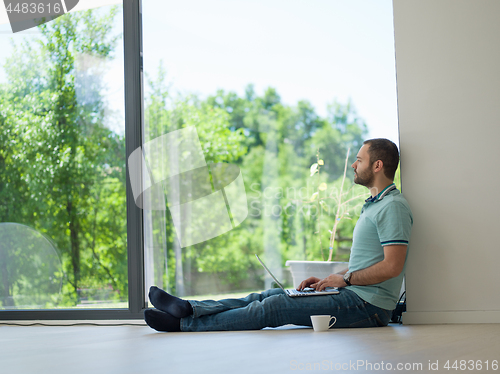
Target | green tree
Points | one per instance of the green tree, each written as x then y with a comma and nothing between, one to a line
220,141
63,166
273,134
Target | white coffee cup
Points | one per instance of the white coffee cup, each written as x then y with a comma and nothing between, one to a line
322,323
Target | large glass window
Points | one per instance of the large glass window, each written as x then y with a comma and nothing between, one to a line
240,137
63,228
284,92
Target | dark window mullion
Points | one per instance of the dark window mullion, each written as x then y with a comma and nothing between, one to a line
132,37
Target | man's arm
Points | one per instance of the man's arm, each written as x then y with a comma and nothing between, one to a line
391,266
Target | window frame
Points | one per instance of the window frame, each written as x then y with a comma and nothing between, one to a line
134,119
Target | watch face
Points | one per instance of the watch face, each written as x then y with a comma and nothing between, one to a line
347,278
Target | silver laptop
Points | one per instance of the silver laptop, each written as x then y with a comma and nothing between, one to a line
292,292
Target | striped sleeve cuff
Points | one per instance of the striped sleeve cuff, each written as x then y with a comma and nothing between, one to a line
394,242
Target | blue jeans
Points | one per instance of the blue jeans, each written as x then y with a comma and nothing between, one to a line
273,308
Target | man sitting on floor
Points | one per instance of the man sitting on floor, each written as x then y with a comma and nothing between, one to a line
369,288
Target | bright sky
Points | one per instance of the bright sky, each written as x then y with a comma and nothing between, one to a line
318,50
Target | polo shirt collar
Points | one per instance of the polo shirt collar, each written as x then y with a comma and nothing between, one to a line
382,194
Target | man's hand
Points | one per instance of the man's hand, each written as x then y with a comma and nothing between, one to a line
333,280
307,283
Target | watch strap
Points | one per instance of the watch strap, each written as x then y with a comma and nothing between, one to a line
347,278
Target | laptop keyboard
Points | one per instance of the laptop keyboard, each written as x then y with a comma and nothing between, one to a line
295,292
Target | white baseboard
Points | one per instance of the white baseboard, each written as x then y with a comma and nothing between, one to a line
451,317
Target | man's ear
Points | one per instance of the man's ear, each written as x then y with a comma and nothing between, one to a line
377,166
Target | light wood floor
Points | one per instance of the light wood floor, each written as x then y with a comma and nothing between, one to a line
138,349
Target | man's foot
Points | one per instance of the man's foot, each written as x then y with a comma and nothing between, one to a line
162,321
167,303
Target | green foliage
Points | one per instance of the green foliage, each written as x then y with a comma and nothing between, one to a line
273,144
62,171
338,201
62,166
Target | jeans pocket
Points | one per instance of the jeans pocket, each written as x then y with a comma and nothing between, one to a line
382,320
373,321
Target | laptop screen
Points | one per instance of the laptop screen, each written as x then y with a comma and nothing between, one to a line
269,271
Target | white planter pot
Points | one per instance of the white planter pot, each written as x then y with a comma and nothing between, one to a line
302,270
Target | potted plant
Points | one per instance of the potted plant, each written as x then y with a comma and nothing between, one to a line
301,270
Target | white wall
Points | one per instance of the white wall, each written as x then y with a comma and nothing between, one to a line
448,80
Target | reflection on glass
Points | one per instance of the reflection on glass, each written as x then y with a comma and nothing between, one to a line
62,163
173,165
31,269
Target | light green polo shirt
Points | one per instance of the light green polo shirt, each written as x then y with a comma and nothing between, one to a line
385,219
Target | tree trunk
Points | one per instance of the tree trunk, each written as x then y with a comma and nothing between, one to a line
5,278
179,273
75,246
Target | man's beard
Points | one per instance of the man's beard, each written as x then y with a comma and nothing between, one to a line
366,179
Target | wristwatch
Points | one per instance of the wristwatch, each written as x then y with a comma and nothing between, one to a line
347,278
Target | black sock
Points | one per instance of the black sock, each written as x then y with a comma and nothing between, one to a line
161,321
167,303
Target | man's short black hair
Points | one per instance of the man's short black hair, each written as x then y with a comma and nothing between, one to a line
387,152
